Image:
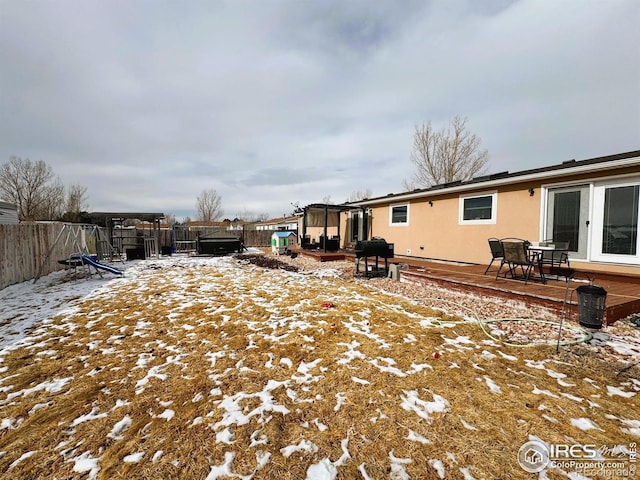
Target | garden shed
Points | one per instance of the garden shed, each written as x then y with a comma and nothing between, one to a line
280,241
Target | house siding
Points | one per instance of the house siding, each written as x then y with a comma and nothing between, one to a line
435,232
8,214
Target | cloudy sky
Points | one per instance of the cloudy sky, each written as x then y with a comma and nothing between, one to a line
149,102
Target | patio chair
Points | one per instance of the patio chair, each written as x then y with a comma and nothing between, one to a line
496,253
503,261
557,260
518,256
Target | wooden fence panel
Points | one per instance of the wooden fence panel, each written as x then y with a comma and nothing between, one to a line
24,248
257,238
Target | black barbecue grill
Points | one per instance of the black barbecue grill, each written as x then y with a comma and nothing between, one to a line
378,248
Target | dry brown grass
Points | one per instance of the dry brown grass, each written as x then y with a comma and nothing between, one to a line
214,331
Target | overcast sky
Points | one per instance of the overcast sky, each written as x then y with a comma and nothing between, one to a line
147,103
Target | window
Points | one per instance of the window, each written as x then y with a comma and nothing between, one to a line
478,209
616,222
399,215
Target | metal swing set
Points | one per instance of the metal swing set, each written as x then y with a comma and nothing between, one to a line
75,235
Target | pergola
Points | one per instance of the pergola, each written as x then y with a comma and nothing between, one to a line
325,216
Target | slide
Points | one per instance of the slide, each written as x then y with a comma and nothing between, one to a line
90,261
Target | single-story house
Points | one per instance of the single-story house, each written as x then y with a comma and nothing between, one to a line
8,213
281,223
593,204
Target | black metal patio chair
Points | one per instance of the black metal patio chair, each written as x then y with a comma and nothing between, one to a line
503,261
497,253
518,257
557,260
556,257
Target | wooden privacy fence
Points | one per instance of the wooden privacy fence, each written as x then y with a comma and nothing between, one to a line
24,247
257,238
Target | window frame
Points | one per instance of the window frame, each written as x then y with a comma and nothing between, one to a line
494,208
597,222
399,224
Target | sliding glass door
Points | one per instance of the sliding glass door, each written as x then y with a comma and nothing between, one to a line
568,218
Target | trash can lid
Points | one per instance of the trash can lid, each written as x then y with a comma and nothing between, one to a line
591,290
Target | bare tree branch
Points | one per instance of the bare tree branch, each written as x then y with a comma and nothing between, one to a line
28,185
75,203
209,206
357,195
446,155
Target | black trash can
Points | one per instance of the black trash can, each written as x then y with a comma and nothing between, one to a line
591,300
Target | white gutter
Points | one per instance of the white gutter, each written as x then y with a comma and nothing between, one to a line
504,181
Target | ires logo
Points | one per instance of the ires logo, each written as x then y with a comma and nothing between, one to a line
587,459
535,456
576,452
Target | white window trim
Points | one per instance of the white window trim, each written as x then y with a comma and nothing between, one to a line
399,224
494,208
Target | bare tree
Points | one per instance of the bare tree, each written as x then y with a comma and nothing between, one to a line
251,217
326,200
75,203
445,155
357,195
77,198
31,186
209,206
53,201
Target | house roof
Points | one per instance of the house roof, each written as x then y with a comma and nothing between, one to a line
569,167
277,220
283,234
201,224
146,225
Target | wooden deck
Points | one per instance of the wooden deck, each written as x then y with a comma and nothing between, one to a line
623,292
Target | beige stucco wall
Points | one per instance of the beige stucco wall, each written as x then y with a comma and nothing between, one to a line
435,232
